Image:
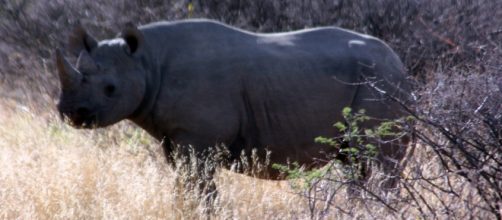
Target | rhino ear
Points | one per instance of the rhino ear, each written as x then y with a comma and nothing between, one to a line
133,38
80,40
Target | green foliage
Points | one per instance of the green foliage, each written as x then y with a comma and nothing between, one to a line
295,171
327,141
357,145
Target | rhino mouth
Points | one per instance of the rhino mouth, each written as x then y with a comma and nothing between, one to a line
80,121
85,122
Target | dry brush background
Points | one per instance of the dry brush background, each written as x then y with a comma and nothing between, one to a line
453,49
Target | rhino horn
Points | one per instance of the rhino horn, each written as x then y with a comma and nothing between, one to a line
85,60
68,75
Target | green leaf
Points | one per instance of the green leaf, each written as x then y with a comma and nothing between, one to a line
369,132
340,126
327,141
346,112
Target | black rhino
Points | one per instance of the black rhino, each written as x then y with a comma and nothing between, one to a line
203,83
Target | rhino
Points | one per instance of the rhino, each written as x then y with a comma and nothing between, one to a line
202,83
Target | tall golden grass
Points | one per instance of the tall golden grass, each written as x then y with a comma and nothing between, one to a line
49,170
52,171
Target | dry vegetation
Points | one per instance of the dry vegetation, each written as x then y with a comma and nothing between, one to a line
52,171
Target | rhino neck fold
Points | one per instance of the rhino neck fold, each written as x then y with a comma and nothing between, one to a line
152,87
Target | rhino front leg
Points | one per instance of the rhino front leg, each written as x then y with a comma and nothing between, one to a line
195,168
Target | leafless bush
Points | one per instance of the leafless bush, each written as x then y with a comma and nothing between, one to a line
462,122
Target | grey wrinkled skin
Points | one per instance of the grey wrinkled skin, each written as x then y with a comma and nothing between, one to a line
202,83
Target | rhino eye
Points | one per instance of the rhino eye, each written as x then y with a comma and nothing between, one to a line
109,90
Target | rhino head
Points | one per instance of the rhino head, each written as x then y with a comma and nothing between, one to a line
108,82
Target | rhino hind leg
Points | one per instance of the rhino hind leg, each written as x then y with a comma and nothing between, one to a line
362,170
388,163
390,152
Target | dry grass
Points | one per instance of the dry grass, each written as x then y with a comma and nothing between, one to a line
52,171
